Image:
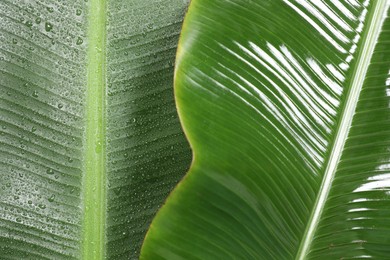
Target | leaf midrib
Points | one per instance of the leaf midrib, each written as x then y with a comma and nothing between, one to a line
368,42
94,180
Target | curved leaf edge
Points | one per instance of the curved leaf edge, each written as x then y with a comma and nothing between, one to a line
174,198
174,195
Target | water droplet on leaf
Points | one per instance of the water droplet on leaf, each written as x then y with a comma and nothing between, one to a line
98,147
79,41
48,27
51,198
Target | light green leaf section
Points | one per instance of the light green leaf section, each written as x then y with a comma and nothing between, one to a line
286,105
94,183
90,142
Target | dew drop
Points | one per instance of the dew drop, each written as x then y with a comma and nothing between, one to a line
38,20
78,12
48,27
35,94
98,147
50,171
29,24
79,41
51,198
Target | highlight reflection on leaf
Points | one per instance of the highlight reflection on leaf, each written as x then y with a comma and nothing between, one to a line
284,103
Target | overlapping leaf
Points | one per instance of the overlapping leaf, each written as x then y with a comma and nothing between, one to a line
286,106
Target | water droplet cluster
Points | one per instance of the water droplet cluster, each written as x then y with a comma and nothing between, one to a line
147,153
42,78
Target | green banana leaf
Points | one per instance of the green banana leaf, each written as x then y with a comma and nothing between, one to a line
286,104
90,142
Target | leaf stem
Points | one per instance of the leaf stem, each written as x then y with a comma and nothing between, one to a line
94,182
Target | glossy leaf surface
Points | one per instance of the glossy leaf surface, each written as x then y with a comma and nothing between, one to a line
286,106
90,143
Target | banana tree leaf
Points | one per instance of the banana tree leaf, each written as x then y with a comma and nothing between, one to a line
90,142
286,105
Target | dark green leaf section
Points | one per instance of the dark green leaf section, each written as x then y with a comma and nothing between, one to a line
262,88
147,151
43,62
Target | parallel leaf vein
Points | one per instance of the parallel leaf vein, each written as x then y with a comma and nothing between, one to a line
363,61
